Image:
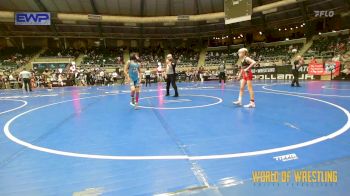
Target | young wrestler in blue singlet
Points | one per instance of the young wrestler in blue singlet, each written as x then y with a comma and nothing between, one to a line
132,72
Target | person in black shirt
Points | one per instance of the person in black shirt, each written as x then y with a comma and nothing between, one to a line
299,61
171,75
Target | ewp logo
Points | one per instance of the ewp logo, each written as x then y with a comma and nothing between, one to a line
33,18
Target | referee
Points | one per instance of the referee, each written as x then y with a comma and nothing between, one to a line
299,61
26,76
170,75
222,75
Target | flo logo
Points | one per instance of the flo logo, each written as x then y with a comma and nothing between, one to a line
324,13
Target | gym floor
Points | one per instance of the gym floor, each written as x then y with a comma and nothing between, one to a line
90,140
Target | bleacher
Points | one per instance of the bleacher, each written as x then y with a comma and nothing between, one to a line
150,56
216,57
329,46
187,57
61,53
274,53
13,58
100,56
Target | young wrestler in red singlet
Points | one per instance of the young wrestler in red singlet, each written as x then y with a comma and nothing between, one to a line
246,76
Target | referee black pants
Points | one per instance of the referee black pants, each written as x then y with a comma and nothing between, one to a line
222,77
26,83
171,78
295,78
148,80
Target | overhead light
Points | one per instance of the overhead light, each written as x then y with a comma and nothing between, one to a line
296,27
291,28
303,24
345,14
319,33
130,24
234,37
260,33
241,35
69,22
287,39
270,11
169,23
94,17
279,29
210,21
285,29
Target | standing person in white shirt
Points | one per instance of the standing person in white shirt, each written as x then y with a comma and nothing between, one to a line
60,79
159,72
115,77
148,76
102,77
26,76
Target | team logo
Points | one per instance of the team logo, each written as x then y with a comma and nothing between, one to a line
287,157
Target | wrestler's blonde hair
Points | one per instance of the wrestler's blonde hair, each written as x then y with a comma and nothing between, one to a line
245,50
